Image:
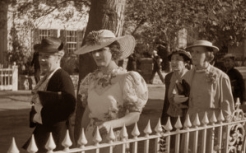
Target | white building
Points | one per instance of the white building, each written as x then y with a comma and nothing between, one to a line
66,21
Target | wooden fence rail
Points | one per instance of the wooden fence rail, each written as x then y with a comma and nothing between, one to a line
210,135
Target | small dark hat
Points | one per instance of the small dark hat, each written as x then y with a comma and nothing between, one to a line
49,45
179,51
228,55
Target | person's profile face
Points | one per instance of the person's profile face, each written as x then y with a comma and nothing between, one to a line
228,63
48,62
198,55
102,57
177,62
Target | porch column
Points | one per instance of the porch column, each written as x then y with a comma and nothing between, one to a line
14,77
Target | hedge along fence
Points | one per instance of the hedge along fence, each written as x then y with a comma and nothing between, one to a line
208,135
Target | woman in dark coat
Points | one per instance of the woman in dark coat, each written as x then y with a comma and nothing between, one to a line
173,107
53,97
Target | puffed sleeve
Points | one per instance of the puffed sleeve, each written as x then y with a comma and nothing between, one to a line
227,101
135,92
83,89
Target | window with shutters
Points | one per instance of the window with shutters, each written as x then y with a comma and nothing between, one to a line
73,39
44,33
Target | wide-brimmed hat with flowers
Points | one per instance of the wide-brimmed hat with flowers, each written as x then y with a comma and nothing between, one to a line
203,43
179,51
98,39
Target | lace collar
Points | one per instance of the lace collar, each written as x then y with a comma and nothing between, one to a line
105,79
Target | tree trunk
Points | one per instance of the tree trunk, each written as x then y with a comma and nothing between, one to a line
104,14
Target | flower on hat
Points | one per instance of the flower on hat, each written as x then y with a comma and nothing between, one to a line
96,40
93,38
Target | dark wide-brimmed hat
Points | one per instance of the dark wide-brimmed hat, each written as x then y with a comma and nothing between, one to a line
203,43
49,45
96,40
228,55
179,51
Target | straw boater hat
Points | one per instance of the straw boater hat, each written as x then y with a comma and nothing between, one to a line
49,45
203,43
179,51
98,39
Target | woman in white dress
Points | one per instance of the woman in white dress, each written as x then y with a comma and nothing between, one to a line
112,97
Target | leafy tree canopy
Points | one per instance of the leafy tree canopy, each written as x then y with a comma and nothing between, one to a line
219,21
60,9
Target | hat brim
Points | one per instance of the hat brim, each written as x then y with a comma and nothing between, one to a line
49,45
215,49
228,56
127,45
179,52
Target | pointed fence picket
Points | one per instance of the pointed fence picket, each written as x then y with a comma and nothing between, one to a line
223,137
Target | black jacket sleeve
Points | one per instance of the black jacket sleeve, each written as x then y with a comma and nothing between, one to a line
61,108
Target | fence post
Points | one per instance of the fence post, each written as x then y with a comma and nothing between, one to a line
14,77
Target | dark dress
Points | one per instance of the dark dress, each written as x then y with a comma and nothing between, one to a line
56,113
165,115
166,104
237,84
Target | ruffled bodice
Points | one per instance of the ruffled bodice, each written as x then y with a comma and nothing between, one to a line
112,96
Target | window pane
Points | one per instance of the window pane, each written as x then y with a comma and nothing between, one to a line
44,33
71,41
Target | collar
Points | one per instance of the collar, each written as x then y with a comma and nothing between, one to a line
52,72
207,69
180,75
227,70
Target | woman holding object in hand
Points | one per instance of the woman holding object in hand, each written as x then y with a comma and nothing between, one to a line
175,98
175,103
112,96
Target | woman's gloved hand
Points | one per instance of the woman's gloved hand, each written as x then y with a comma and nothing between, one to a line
179,98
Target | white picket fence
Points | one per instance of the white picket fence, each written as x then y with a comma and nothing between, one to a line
9,78
230,137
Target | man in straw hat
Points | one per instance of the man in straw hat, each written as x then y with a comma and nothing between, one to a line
210,89
53,98
236,78
112,97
